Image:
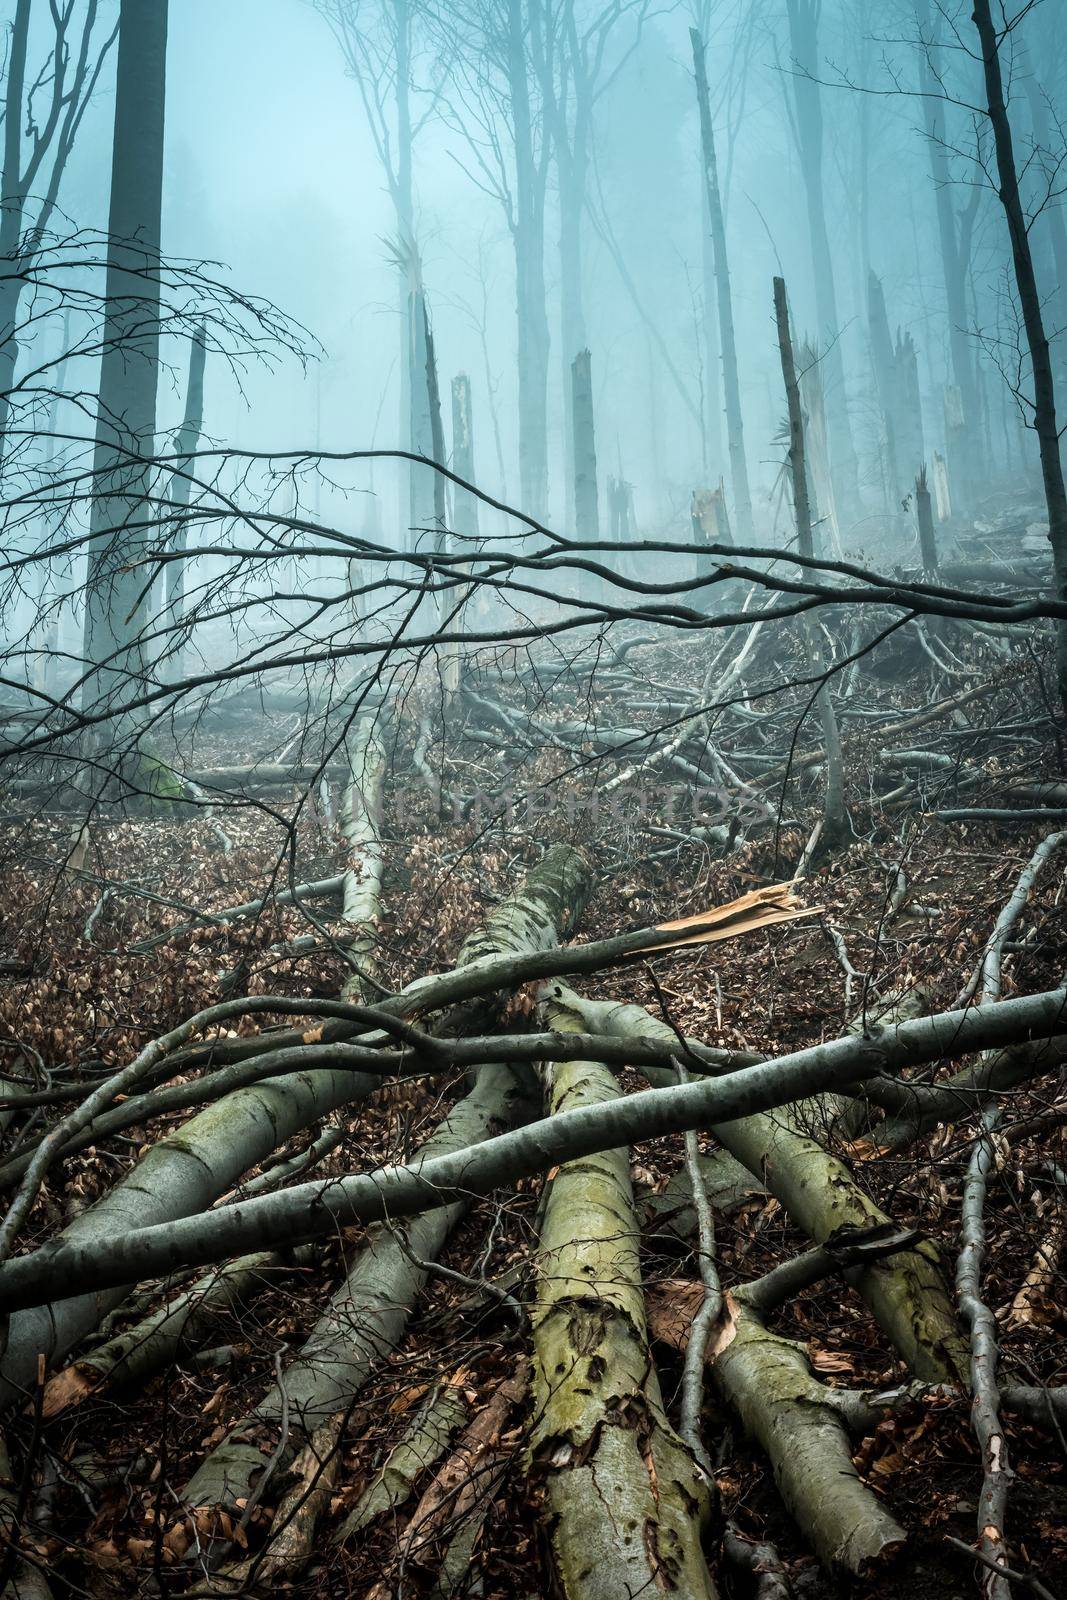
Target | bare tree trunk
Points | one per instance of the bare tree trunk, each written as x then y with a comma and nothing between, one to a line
464,504
437,435
186,442
1045,424
116,587
573,336
886,383
586,496
911,443
955,251
735,431
835,817
179,1176
1047,142
924,515
807,100
709,322
12,200
624,1499
421,505
528,232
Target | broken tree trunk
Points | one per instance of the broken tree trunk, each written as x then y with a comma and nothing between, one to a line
422,1446
312,1210
132,1358
464,504
835,817
624,1500
363,1322
586,498
767,1380
924,515
453,1507
186,442
731,386
323,889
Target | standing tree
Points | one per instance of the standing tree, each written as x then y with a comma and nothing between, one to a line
380,44
37,141
186,441
1044,396
735,430
834,816
804,18
955,230
570,52
499,113
116,586
465,506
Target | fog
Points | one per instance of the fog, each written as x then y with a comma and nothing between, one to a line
271,170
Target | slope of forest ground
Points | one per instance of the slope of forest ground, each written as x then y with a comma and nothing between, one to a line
907,907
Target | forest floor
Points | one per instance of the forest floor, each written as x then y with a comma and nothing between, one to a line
78,999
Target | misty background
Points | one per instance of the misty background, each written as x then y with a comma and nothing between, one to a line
272,171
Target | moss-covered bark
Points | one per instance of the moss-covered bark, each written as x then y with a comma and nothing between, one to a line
369,1312
361,825
906,1293
421,1448
134,1356
362,1323
624,1501
766,1379
180,1175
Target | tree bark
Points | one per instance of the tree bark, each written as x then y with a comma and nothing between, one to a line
735,431
955,251
586,496
464,504
906,1294
807,100
117,586
835,817
624,1500
186,441
1045,423
368,1314
528,235
767,1380
361,826
178,1177
311,1210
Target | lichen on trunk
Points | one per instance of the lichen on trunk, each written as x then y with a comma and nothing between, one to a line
623,1499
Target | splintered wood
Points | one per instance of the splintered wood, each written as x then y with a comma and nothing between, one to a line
760,908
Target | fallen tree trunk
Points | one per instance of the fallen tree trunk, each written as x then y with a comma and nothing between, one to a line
906,1294
312,1210
178,1177
767,1381
323,889
624,1501
369,1312
364,1320
133,1357
422,1446
916,1109
487,975
453,1507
